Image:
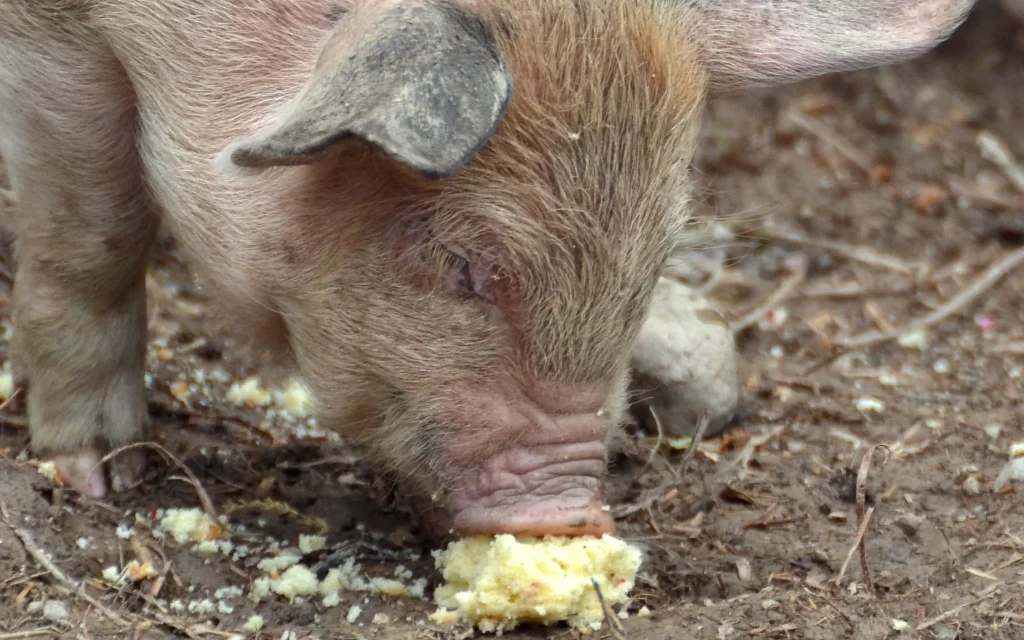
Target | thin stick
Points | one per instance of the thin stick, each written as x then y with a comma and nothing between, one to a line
994,150
955,610
971,292
29,634
204,498
657,493
609,616
832,139
785,291
77,588
863,518
858,254
657,445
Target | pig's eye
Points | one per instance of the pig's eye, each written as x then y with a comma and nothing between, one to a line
460,272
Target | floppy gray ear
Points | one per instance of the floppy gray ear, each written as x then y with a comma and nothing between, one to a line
759,43
422,82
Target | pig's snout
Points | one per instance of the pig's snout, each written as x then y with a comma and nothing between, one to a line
532,466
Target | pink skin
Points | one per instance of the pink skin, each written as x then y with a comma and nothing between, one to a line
100,123
544,464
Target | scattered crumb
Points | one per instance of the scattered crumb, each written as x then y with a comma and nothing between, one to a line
870,405
47,469
278,564
354,613
190,525
295,399
298,580
309,544
643,612
332,599
253,625
202,607
498,583
382,619
250,392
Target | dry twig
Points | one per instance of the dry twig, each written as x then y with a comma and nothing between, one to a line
30,633
652,496
971,292
618,631
786,290
72,586
852,252
832,139
204,498
995,150
955,610
863,518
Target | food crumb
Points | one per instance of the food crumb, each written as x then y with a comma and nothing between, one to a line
47,469
354,613
498,583
253,625
332,600
382,619
309,544
250,392
298,580
278,564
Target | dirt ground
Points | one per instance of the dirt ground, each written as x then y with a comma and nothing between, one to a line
849,208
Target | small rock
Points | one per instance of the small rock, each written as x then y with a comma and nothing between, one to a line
971,486
1012,472
909,523
684,363
769,604
993,430
56,611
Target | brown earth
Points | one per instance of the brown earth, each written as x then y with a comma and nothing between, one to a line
886,166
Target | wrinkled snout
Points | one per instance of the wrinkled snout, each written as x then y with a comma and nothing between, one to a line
531,465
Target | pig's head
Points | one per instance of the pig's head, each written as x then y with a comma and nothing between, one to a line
481,197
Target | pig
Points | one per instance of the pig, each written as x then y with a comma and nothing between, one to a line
450,216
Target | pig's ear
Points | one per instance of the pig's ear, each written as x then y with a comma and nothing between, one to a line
422,82
760,43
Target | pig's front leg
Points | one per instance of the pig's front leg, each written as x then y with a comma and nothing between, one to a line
684,363
83,227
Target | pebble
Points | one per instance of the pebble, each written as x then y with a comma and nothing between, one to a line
56,611
909,523
1012,472
971,486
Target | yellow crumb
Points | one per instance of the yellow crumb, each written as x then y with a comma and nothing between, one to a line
250,392
295,399
501,582
6,386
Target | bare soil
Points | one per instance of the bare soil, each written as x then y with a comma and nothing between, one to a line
862,202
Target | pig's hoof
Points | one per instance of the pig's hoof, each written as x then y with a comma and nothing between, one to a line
684,363
126,470
83,473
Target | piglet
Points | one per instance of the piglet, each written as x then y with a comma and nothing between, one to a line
450,217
